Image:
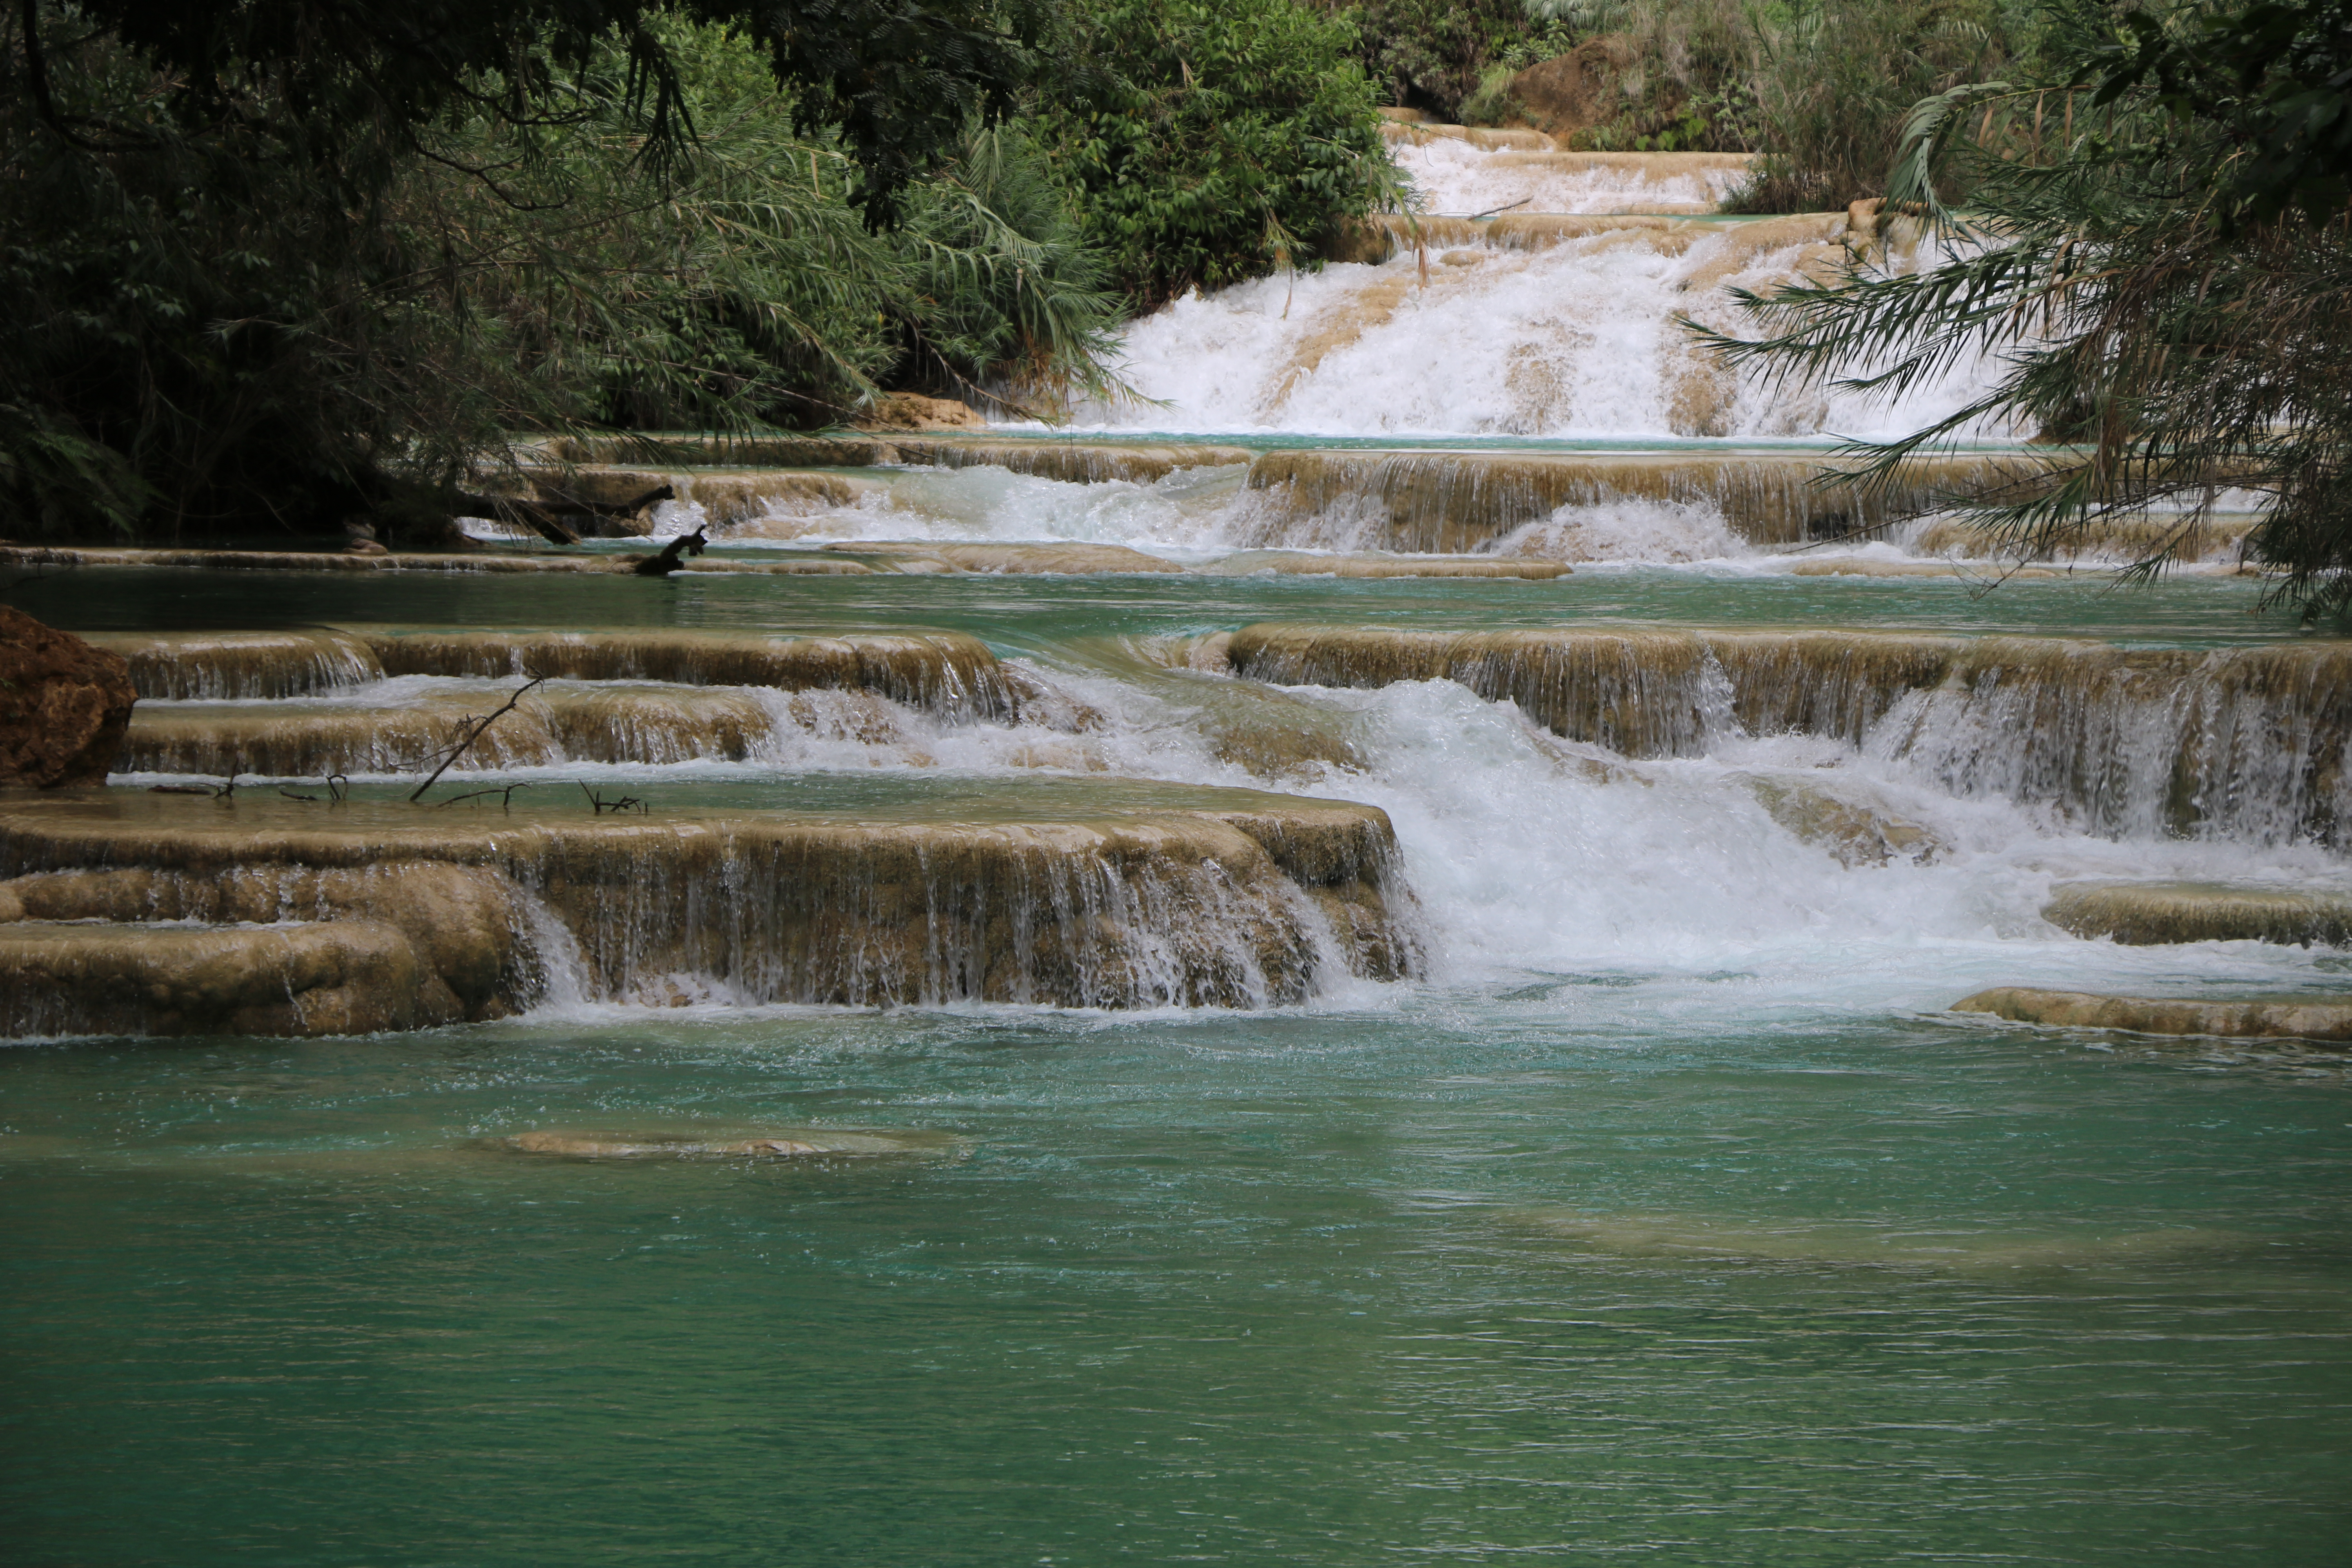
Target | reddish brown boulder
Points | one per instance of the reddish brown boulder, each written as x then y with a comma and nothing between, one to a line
1580,90
64,705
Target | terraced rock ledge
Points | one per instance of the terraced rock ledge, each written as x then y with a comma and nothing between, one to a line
2248,742
302,918
2321,1019
2141,914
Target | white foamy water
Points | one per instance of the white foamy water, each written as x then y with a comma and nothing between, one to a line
1581,340
1453,177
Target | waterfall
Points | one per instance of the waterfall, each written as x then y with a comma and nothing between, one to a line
2252,744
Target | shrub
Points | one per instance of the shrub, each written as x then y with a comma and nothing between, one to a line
1226,141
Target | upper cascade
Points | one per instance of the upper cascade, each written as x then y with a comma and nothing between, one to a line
1460,170
1536,292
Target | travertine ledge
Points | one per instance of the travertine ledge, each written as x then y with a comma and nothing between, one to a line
2321,1019
1248,901
2142,914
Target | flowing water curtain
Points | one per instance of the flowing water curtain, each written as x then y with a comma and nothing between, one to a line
2159,259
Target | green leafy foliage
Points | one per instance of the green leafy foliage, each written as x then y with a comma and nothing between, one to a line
214,335
2274,80
1227,141
1836,78
339,83
2181,334
1433,55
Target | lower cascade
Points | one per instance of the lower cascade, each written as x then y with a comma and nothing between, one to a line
371,921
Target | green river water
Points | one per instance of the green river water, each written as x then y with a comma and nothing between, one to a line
1670,1220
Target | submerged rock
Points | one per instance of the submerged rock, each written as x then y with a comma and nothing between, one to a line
2144,914
1856,833
2327,1020
798,1143
64,705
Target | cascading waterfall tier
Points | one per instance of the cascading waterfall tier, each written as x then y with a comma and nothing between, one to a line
382,916
1464,501
2241,744
947,673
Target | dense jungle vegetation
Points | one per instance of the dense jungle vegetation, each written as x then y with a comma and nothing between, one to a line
274,262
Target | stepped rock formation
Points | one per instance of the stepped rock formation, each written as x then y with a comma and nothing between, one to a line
347,977
2243,742
63,705
434,941
406,916
2144,914
1457,502
2321,1019
949,673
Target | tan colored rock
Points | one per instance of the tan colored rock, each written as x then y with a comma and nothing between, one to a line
347,977
1581,89
226,665
2144,914
1855,833
462,923
910,411
1455,502
948,672
1240,898
2327,1020
799,1143
64,705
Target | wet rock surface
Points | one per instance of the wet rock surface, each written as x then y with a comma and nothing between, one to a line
64,705
2149,914
2240,741
1246,901
344,977
2322,1019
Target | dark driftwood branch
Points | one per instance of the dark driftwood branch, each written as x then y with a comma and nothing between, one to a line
564,501
539,520
504,791
474,735
598,805
669,559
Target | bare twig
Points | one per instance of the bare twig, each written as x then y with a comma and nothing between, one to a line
600,805
474,735
504,791
338,786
